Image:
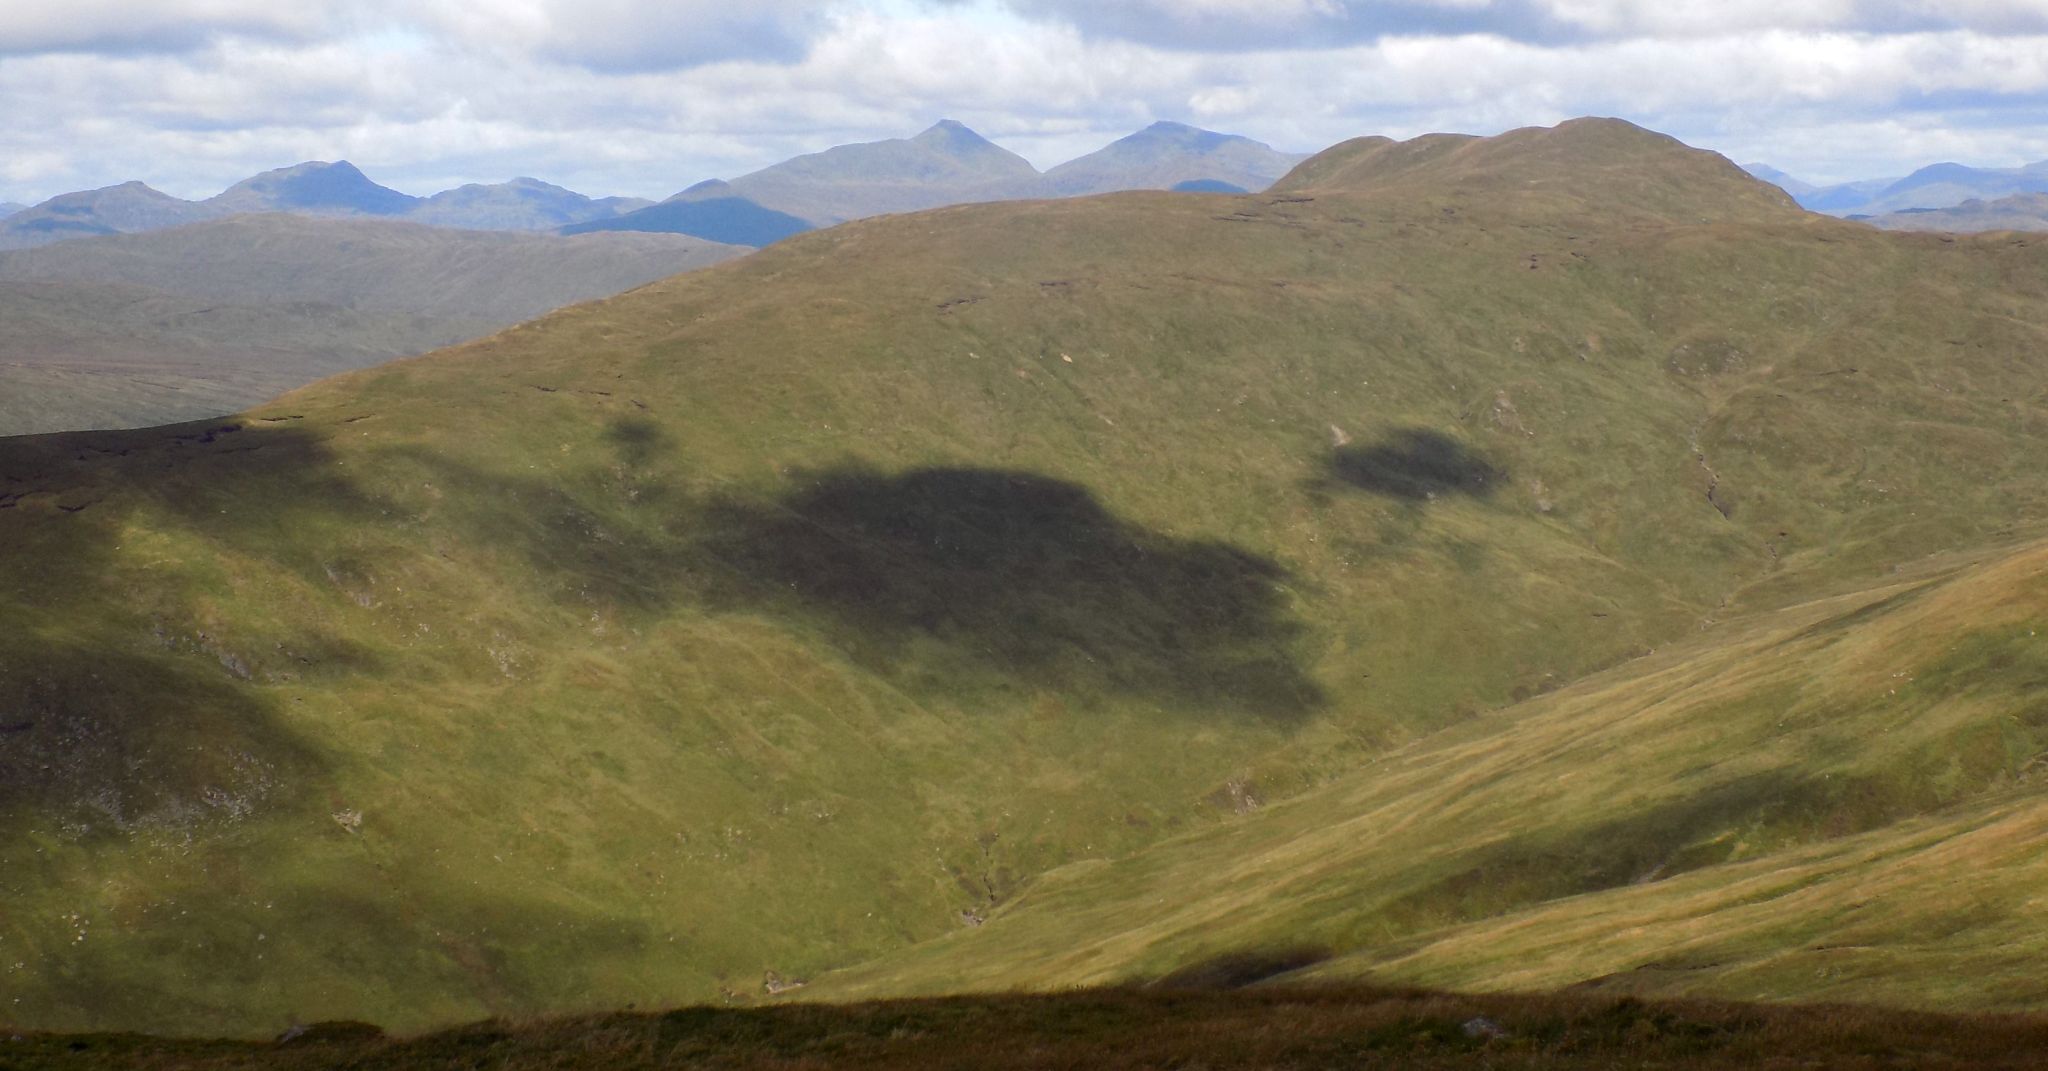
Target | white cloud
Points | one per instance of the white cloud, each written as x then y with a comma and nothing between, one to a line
162,25
647,98
631,35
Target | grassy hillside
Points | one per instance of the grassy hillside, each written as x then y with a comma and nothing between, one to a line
197,321
1841,800
781,616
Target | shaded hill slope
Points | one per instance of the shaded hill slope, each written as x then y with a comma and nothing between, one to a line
786,615
180,323
733,220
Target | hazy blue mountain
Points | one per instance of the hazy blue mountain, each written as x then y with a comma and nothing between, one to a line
1164,155
1843,198
1839,198
1946,185
730,220
314,188
947,164
523,204
122,209
8,208
1943,185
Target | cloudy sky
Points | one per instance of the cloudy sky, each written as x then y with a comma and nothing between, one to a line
647,96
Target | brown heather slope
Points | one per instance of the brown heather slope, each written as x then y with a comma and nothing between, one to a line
784,616
1577,167
1335,1027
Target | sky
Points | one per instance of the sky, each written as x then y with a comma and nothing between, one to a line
645,97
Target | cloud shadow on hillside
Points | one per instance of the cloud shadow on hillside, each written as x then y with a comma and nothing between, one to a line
120,714
1414,465
97,743
948,582
962,569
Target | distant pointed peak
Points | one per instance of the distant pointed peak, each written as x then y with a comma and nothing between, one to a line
952,133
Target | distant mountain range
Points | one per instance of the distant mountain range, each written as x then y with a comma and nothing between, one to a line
316,188
2019,212
951,164
947,164
1935,186
8,208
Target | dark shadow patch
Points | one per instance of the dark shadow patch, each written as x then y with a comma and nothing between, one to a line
638,440
117,744
128,718
1236,970
945,580
1415,464
922,572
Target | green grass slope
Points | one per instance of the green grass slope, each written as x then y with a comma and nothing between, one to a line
782,616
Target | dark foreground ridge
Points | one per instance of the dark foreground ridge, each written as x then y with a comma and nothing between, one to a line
1127,1028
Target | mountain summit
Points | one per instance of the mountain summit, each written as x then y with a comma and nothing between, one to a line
317,188
130,206
1596,165
946,164
521,204
1167,154
955,138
